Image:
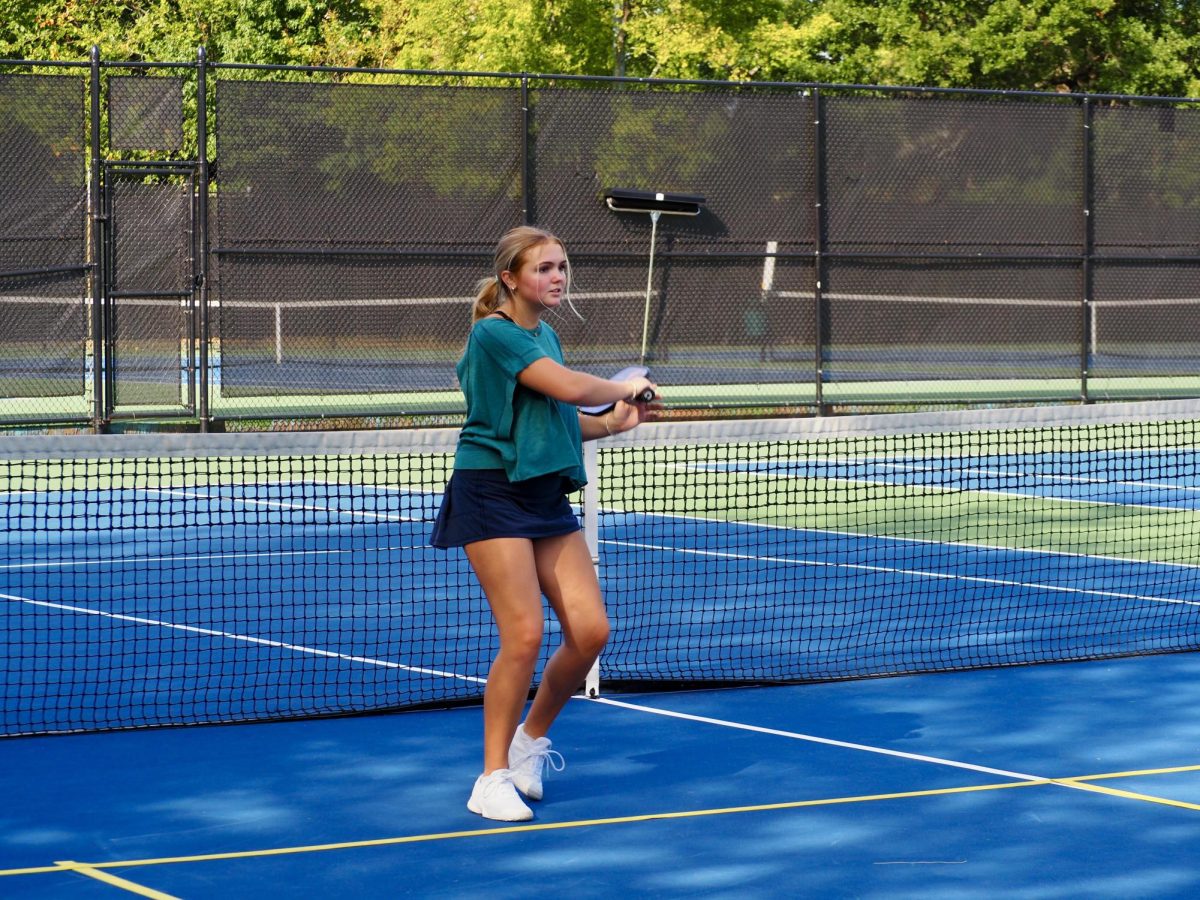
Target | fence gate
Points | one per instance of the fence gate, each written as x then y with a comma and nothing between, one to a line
149,275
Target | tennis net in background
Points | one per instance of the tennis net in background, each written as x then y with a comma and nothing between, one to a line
847,547
171,579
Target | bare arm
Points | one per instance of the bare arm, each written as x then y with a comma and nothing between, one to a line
622,417
594,427
578,388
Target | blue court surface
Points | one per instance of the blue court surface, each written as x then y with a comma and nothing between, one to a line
212,597
1063,780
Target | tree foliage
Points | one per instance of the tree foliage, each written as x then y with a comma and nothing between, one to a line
1103,46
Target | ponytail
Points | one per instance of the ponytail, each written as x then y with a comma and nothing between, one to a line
491,292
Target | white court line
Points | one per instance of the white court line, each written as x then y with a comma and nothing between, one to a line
951,576
197,557
283,504
847,745
244,638
1068,782
218,498
893,570
243,501
914,466
949,488
813,739
886,538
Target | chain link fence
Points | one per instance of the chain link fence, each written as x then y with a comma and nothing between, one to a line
236,244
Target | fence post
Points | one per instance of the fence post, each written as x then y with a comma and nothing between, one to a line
202,243
97,247
527,216
819,314
1088,312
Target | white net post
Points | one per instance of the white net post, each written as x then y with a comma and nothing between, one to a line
591,500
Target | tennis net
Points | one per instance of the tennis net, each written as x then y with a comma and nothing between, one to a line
173,579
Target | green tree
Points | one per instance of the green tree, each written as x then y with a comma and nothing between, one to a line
1118,46
1107,46
551,36
264,31
701,38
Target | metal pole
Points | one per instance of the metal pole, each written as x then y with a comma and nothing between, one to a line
1088,311
649,282
527,212
202,225
820,324
99,338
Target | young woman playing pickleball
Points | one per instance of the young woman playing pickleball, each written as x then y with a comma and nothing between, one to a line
519,455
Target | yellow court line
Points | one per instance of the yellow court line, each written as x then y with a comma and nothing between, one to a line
1172,770
32,870
1127,795
522,829
1079,782
91,872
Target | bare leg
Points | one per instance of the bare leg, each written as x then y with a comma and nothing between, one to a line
568,579
508,573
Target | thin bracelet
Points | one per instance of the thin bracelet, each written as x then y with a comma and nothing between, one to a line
608,427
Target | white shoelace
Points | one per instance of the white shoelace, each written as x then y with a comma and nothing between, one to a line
494,783
544,760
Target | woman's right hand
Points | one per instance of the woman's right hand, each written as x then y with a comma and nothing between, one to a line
580,388
637,387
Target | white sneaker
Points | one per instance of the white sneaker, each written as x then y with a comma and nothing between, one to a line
494,797
528,759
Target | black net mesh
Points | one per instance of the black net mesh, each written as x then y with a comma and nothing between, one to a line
913,175
781,558
361,166
44,328
145,113
43,191
173,579
1145,190
150,308
750,155
1008,247
43,216
941,319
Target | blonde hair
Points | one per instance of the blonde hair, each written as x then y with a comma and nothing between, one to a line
516,243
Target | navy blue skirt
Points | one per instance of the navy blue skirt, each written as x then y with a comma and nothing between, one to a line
482,503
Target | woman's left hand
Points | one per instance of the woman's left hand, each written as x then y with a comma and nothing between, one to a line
626,414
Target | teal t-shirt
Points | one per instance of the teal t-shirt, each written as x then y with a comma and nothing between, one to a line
509,426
